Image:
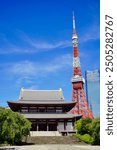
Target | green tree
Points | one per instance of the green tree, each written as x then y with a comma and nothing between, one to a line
13,127
82,126
96,131
88,130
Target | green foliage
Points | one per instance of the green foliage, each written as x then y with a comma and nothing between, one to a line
88,130
82,126
86,138
13,127
96,131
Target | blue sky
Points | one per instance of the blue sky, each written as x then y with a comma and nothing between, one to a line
36,47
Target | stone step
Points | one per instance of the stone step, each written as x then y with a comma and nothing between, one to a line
54,140
44,133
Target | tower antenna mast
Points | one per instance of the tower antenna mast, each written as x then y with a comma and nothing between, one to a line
78,93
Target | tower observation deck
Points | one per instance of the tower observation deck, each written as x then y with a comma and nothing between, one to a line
78,94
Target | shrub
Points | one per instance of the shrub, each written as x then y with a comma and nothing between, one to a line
82,126
13,127
88,130
86,138
96,131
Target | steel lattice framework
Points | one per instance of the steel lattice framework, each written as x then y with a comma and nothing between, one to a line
78,93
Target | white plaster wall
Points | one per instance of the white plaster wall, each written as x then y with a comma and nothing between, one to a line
69,126
60,126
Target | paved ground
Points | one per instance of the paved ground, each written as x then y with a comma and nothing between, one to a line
54,147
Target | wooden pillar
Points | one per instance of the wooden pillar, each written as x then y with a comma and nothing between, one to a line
20,109
64,124
72,122
56,124
55,108
37,126
28,108
47,126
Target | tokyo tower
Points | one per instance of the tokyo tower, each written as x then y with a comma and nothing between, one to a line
78,93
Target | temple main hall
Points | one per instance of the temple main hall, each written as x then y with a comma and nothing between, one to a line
46,110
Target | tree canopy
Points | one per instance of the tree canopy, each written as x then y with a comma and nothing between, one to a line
88,130
13,126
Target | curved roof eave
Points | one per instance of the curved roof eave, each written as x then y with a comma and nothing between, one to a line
15,105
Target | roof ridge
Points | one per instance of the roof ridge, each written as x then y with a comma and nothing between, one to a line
22,89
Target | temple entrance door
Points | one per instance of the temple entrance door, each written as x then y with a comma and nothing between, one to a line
34,127
52,127
42,127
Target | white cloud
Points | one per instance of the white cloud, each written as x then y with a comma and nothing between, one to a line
39,44
27,71
23,68
34,68
91,33
34,47
27,44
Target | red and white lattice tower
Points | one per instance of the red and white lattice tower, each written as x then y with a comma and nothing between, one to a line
78,93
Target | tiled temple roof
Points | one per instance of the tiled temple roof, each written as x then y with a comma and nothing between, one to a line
51,116
41,98
41,95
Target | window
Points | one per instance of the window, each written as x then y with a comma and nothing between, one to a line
59,109
42,109
50,109
33,109
24,109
